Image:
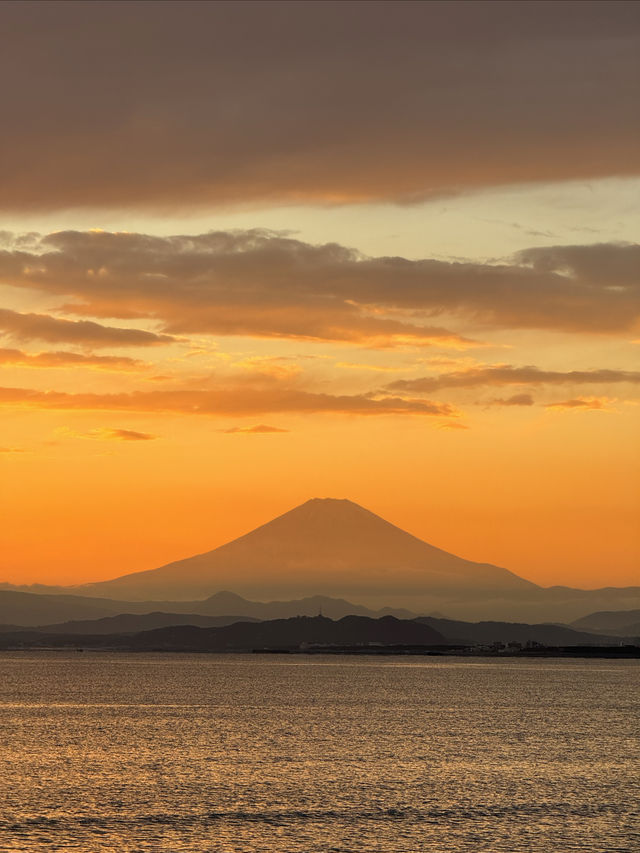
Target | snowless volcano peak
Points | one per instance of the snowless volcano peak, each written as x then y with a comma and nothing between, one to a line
331,546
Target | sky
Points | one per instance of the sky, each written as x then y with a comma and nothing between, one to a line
254,253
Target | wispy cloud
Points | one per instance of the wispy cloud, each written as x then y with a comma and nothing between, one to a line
580,403
63,359
511,375
514,400
241,400
107,434
259,429
376,368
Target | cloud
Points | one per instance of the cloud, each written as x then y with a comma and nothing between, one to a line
377,368
241,400
452,425
12,450
108,434
128,435
510,375
515,400
277,367
253,430
335,102
593,403
54,329
67,359
268,285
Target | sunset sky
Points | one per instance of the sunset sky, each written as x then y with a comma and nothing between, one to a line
253,253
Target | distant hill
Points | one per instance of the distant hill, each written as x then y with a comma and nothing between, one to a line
244,636
193,631
618,622
133,623
19,609
484,633
292,632
29,608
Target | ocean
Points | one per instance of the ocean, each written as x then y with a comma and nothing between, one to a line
107,753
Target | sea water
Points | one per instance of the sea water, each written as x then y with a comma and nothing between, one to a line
141,752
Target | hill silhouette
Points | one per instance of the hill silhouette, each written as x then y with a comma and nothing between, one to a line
484,633
291,633
618,622
245,636
134,623
89,632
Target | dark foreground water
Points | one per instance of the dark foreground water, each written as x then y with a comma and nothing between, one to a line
105,752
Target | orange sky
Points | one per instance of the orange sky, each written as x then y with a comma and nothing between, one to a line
200,330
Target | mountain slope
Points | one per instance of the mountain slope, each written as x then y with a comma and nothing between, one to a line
325,545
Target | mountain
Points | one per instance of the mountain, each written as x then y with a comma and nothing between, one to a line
318,554
334,547
618,622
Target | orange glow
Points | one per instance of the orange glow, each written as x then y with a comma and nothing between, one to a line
530,495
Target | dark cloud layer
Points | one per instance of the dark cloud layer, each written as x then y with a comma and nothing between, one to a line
43,327
270,285
173,103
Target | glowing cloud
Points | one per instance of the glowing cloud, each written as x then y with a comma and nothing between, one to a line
226,401
259,429
267,285
599,404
